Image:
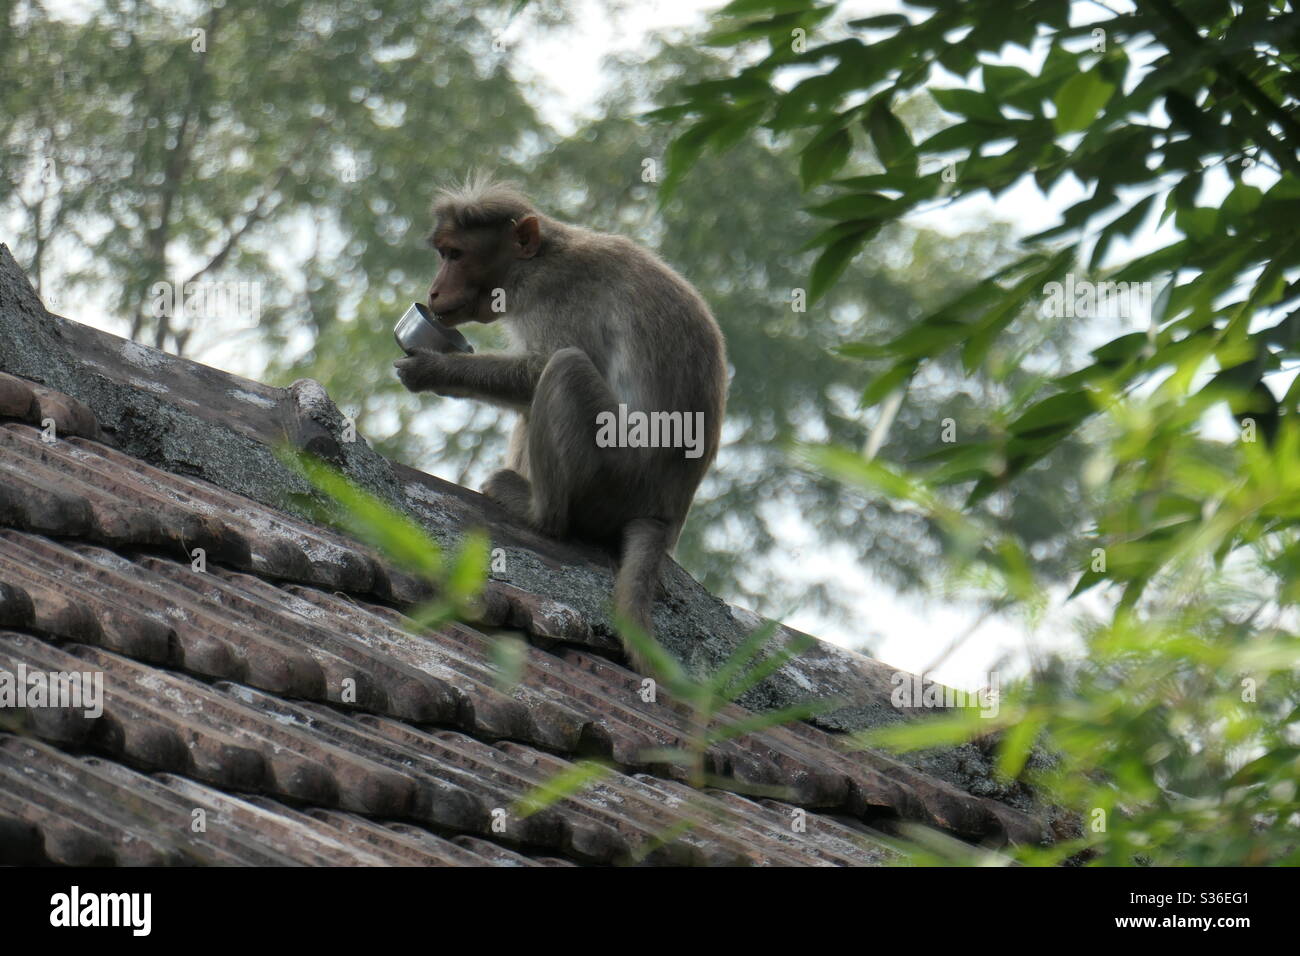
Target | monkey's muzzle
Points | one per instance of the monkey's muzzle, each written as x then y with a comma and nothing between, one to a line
419,328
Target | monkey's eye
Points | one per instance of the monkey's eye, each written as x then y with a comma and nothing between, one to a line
452,254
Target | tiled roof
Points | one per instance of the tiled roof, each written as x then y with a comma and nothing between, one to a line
282,693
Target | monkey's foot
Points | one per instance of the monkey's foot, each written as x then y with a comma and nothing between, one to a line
511,491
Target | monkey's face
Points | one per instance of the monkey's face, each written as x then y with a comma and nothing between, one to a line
476,263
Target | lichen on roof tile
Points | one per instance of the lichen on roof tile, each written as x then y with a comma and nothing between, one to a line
283,689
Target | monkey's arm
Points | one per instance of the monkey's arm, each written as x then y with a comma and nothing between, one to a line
504,379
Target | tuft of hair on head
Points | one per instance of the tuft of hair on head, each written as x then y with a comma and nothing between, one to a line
481,200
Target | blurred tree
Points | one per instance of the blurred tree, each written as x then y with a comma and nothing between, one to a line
1173,738
293,144
298,148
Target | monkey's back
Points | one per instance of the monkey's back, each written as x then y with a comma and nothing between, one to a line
664,348
651,335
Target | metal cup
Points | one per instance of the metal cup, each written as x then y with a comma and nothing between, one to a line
418,328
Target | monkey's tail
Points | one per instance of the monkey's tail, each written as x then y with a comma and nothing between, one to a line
645,545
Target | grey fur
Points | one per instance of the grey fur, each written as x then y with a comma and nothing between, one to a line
594,321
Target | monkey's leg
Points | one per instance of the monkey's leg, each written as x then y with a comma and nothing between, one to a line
564,462
511,491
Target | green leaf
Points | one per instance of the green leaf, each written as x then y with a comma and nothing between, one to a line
1079,100
873,476
563,785
963,136
755,723
672,756
432,614
856,206
1011,84
890,138
862,350
884,385
685,150
509,659
1017,744
969,103
841,230
797,644
1280,764
882,22
664,667
834,260
469,571
1197,223
741,656
378,524
964,463
940,731
824,156
901,182
1088,580
1066,408
983,333
1243,200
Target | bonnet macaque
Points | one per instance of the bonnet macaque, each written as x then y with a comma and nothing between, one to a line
616,368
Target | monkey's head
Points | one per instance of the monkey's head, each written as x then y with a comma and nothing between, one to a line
482,231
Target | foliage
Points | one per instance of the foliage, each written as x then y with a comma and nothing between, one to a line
1173,741
1175,738
1140,112
457,584
706,701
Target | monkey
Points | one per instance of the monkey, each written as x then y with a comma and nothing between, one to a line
598,327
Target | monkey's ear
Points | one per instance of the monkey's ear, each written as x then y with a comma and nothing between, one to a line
528,237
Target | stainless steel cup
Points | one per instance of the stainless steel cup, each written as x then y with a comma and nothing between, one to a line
419,328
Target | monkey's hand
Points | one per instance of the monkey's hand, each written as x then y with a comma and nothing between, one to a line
507,380
423,371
